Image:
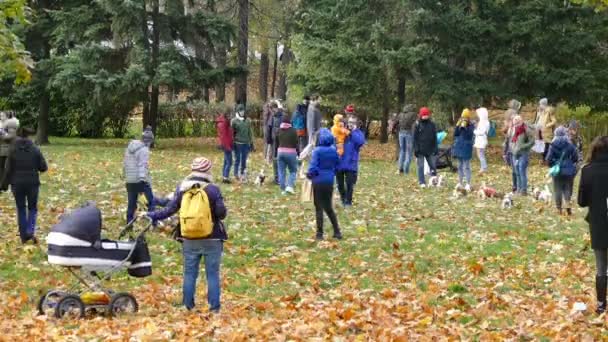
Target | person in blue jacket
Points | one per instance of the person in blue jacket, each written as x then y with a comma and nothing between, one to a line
563,153
348,167
464,136
322,172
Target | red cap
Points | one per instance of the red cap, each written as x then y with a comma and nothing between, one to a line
424,112
350,109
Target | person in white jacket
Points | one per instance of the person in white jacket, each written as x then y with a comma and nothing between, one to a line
481,137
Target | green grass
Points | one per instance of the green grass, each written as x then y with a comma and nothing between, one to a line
404,247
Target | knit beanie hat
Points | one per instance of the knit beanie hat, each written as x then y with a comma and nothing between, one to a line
201,164
561,131
424,111
543,103
466,114
147,137
350,109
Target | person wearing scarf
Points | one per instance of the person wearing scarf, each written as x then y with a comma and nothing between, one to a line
563,153
521,140
287,156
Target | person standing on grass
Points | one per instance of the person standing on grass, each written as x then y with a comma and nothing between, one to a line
481,137
593,194
136,173
563,153
298,121
313,118
405,123
225,137
513,109
425,143
322,172
463,147
545,122
275,127
348,167
287,156
8,132
24,164
243,141
576,139
521,141
209,248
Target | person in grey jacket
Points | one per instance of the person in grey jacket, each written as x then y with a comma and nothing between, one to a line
137,173
313,119
8,133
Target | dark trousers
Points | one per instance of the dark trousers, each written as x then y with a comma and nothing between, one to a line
562,187
323,194
133,191
2,163
26,200
601,261
346,185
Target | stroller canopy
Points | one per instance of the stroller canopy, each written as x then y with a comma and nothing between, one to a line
82,223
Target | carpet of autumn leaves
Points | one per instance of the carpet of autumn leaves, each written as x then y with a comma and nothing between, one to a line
415,263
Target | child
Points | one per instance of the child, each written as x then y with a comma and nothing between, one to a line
137,174
287,156
349,162
24,164
481,137
425,144
321,172
243,141
340,133
298,121
463,147
211,247
563,153
225,137
593,192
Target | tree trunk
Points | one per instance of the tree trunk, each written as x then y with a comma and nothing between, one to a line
401,91
274,70
44,104
285,60
240,91
220,88
385,110
154,94
263,78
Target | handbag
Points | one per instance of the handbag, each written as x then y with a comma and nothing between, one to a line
556,169
539,146
307,195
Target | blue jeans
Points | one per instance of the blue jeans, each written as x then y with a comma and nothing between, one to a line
431,161
133,191
241,153
26,200
227,164
520,166
193,251
287,161
464,170
481,153
405,151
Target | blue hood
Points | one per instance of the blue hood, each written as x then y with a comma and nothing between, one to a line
325,137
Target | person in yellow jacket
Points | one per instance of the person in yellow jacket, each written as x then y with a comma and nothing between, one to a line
545,123
340,132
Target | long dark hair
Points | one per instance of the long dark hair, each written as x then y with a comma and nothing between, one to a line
598,147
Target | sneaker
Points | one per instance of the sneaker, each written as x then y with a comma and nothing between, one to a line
319,237
289,190
467,188
338,236
226,181
422,186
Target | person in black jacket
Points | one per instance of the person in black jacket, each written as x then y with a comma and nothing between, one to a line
593,193
22,168
425,143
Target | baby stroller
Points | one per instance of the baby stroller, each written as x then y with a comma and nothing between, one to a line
444,158
76,244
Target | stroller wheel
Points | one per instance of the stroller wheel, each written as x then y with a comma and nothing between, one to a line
122,303
49,301
70,306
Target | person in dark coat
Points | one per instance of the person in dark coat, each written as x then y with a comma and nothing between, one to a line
22,171
425,143
348,167
563,152
593,194
322,173
464,135
211,247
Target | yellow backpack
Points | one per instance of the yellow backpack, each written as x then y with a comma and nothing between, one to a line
195,214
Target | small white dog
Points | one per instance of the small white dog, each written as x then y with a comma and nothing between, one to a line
460,191
545,195
507,201
436,181
259,180
536,193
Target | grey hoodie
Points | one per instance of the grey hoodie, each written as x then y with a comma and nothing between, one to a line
135,165
313,120
8,135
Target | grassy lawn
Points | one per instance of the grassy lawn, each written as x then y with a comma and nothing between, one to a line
415,263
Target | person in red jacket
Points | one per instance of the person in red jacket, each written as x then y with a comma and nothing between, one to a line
225,137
